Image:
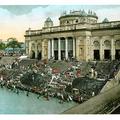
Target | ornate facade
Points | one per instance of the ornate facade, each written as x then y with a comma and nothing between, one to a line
78,35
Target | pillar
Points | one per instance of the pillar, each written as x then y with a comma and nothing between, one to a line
59,49
112,49
101,49
87,48
29,49
43,49
77,51
36,50
49,47
66,48
73,47
52,48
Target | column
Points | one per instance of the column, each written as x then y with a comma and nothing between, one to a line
73,47
49,47
66,48
78,48
90,49
29,49
43,50
85,48
101,50
112,49
36,51
59,49
52,48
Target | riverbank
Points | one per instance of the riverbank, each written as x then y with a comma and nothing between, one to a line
40,78
12,103
55,79
28,90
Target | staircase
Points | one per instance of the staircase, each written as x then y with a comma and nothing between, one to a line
7,60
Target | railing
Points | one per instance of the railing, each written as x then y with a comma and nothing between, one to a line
106,25
74,27
33,32
59,28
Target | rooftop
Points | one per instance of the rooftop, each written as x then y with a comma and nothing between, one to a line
81,13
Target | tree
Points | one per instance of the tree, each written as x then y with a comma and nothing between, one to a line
2,46
13,43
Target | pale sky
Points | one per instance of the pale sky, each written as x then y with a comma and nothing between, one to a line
16,19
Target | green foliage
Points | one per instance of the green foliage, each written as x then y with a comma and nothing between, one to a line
13,44
2,46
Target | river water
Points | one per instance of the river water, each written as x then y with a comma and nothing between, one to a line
12,103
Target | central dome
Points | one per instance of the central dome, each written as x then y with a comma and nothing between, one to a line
75,17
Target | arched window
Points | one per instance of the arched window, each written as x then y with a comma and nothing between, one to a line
117,44
96,44
39,46
107,44
32,46
76,21
67,21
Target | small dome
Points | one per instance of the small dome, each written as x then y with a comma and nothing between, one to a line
48,19
48,22
105,20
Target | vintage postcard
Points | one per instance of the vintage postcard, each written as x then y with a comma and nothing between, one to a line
60,59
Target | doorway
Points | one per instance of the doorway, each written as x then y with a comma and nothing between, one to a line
39,56
70,54
117,54
33,55
62,54
56,54
107,55
96,55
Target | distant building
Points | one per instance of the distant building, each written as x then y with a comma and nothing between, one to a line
20,50
77,36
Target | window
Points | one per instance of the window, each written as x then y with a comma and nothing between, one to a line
67,21
76,21
81,50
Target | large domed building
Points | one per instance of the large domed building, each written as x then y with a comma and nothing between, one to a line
78,35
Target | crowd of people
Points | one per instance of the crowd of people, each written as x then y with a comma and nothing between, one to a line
46,78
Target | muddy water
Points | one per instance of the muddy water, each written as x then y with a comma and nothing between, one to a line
12,103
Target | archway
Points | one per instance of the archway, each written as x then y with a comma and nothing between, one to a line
39,51
117,50
117,54
96,55
107,54
107,50
39,56
33,54
96,51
